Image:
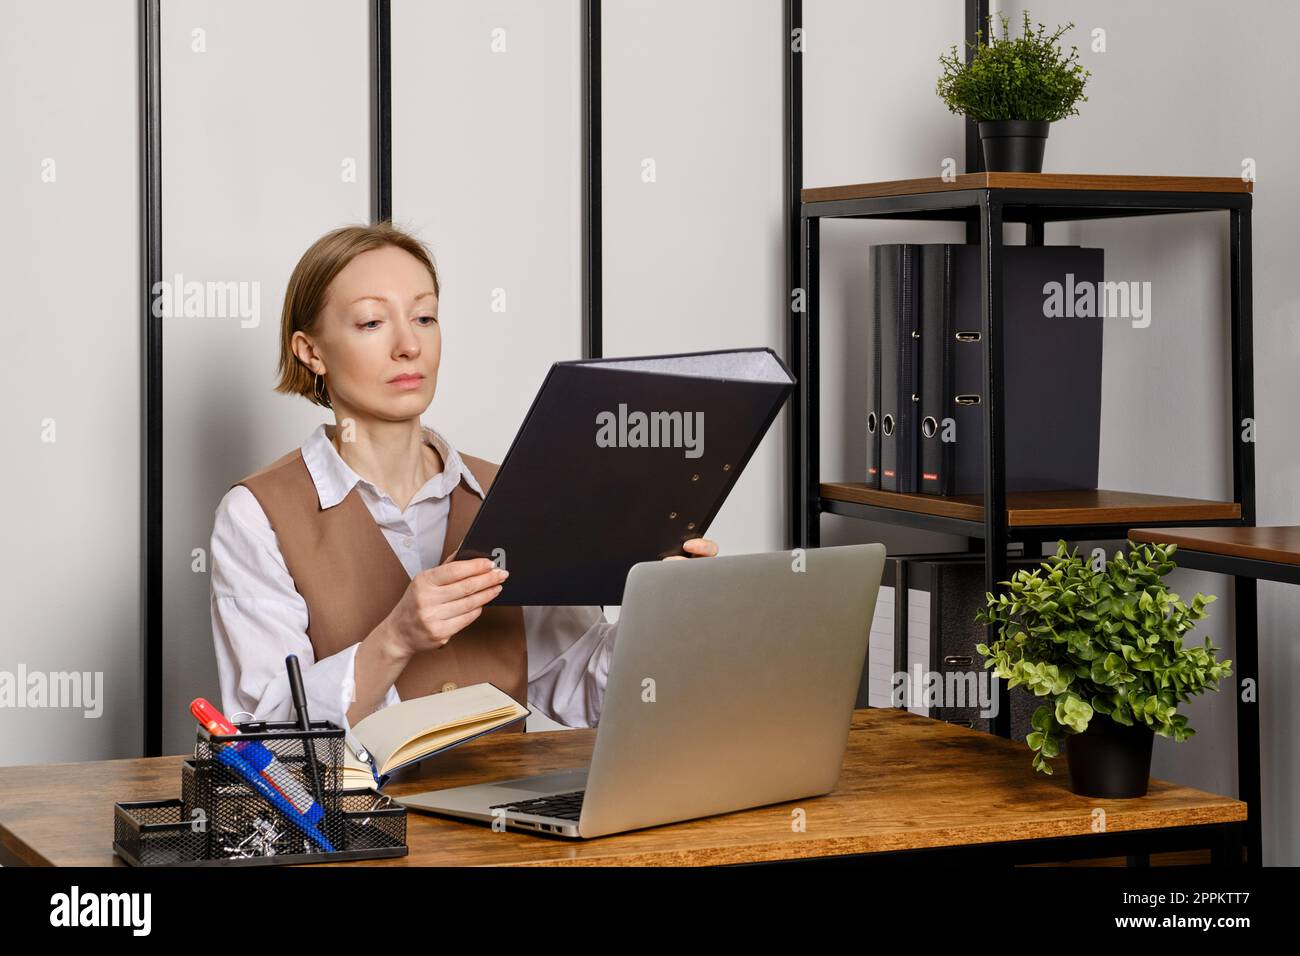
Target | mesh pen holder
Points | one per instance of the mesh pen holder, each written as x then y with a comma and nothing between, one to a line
250,799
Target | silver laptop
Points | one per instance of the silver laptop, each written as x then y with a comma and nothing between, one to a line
732,685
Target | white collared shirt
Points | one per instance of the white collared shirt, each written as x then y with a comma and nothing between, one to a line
258,616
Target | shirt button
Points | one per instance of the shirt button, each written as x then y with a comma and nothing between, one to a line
408,541
449,685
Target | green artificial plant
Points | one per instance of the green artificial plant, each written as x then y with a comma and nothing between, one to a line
1106,642
1029,77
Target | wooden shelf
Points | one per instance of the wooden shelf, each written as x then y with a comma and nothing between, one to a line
1031,509
1063,181
1280,545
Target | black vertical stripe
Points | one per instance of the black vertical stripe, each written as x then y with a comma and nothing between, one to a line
151,488
592,186
381,110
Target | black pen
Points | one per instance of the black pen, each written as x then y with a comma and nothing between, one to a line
304,722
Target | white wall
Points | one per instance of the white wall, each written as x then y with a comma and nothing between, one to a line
870,114
493,183
694,235
256,133
70,270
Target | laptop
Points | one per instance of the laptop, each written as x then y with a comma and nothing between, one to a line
732,685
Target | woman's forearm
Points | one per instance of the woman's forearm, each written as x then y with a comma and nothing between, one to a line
379,662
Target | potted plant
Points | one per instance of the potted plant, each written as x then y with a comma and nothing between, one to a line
1014,88
1106,648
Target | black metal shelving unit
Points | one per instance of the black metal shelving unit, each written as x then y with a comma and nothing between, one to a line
985,202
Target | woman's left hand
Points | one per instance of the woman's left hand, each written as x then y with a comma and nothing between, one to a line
698,548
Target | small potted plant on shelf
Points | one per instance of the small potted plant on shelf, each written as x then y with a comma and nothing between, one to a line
1106,650
1014,88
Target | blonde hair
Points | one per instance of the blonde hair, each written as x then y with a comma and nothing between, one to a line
305,295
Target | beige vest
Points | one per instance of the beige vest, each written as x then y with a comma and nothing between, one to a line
346,571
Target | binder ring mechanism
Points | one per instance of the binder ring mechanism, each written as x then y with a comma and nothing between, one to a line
887,425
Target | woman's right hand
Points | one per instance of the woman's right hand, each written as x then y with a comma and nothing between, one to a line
441,601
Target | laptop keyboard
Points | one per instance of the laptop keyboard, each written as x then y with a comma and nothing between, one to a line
565,806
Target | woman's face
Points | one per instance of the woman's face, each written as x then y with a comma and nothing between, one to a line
378,336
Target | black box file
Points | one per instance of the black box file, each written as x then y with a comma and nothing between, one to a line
1051,372
896,323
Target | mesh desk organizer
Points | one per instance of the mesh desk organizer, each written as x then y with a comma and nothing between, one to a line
223,819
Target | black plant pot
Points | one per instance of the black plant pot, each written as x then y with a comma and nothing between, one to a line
1109,759
1013,146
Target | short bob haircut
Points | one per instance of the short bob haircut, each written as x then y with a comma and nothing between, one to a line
305,295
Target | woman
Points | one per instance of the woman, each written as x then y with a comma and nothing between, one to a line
338,551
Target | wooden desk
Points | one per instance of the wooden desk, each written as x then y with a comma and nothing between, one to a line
909,786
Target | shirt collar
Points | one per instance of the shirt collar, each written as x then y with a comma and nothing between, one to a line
334,478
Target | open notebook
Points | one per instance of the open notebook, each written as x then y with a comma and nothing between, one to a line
409,731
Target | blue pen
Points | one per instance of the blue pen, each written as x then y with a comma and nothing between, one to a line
228,756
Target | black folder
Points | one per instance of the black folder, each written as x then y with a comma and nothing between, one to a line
619,461
872,371
1051,372
896,294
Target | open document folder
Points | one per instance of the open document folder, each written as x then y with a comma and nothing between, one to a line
619,461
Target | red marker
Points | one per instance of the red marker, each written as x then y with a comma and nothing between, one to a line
212,719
